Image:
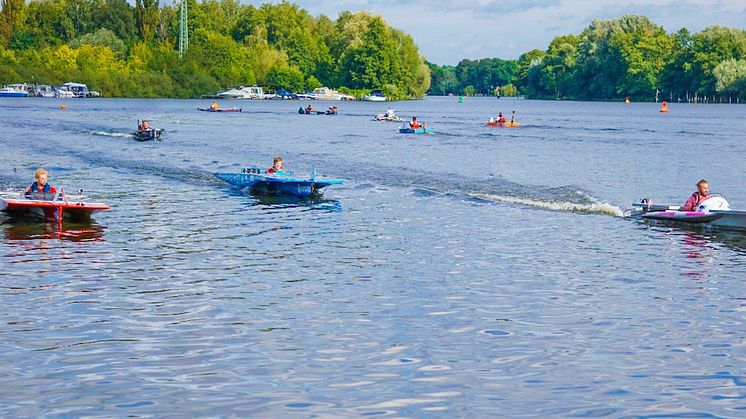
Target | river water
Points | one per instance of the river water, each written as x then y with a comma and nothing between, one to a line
473,272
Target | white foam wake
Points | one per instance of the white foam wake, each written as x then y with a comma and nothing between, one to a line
111,134
594,207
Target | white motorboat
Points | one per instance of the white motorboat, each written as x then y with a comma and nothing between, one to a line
14,90
713,212
246,93
43,90
79,90
375,96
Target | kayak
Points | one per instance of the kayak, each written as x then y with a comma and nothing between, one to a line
259,182
50,206
714,212
147,135
220,110
415,130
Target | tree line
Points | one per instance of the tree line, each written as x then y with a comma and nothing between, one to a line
130,51
610,60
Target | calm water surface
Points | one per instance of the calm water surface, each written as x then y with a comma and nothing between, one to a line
474,272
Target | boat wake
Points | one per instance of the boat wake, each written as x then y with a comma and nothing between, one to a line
592,207
112,134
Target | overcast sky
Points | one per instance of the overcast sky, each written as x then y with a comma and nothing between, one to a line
447,31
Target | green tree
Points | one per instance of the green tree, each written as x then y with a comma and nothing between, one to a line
102,37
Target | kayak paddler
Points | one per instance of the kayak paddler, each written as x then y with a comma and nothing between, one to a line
501,118
702,194
214,106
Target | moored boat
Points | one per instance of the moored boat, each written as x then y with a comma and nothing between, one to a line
259,182
713,212
14,90
375,96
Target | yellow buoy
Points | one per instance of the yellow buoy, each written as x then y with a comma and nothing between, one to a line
63,106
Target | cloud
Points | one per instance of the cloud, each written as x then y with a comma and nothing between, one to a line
447,31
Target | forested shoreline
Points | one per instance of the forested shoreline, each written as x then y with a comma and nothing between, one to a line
611,60
126,51
130,51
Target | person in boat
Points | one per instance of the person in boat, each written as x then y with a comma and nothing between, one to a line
214,106
414,123
501,118
276,166
702,194
144,126
41,185
389,114
309,108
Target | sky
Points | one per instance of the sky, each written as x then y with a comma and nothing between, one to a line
448,31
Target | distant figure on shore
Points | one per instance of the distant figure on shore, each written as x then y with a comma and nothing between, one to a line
276,166
702,194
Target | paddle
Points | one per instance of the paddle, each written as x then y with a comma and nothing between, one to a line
512,117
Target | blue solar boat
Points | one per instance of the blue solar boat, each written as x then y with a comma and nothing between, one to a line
259,182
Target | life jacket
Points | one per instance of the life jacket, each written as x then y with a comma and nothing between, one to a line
502,119
414,124
35,189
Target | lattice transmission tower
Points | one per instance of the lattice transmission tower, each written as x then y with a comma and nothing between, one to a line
183,29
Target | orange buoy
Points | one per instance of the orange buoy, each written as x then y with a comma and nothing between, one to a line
664,106
63,106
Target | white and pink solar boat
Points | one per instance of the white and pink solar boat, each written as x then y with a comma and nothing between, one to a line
714,212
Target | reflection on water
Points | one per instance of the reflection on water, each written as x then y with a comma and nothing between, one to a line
69,231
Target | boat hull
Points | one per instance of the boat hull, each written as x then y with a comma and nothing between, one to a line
13,94
415,130
220,110
147,135
260,184
723,219
51,210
